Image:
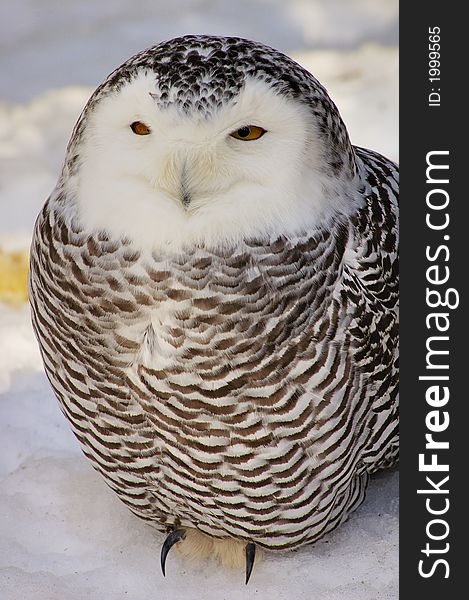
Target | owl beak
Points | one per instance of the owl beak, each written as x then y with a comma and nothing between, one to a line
185,195
185,177
195,172
185,198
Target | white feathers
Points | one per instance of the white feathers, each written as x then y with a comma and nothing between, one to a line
133,185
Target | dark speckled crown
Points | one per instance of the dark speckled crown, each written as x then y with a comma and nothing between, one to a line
202,73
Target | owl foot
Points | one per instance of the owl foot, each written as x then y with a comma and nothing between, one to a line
178,535
173,537
250,557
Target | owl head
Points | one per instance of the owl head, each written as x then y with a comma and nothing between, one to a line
208,140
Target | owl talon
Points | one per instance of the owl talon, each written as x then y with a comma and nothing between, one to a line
173,538
250,557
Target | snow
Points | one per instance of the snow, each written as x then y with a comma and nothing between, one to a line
68,42
63,533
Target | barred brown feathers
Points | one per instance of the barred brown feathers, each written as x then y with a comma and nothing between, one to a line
246,389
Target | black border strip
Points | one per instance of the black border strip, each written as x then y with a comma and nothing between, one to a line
433,262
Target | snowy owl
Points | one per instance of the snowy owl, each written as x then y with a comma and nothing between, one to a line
214,288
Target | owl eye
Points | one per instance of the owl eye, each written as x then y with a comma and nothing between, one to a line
140,128
248,132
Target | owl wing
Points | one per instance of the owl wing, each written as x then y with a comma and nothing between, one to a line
371,284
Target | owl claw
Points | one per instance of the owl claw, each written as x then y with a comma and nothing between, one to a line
173,537
250,556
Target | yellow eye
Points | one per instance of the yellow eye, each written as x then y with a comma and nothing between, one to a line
140,128
248,132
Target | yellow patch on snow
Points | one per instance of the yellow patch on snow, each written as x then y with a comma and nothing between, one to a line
14,276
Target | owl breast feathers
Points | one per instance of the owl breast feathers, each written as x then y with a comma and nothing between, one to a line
214,291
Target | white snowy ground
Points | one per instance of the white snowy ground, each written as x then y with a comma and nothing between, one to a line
63,533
